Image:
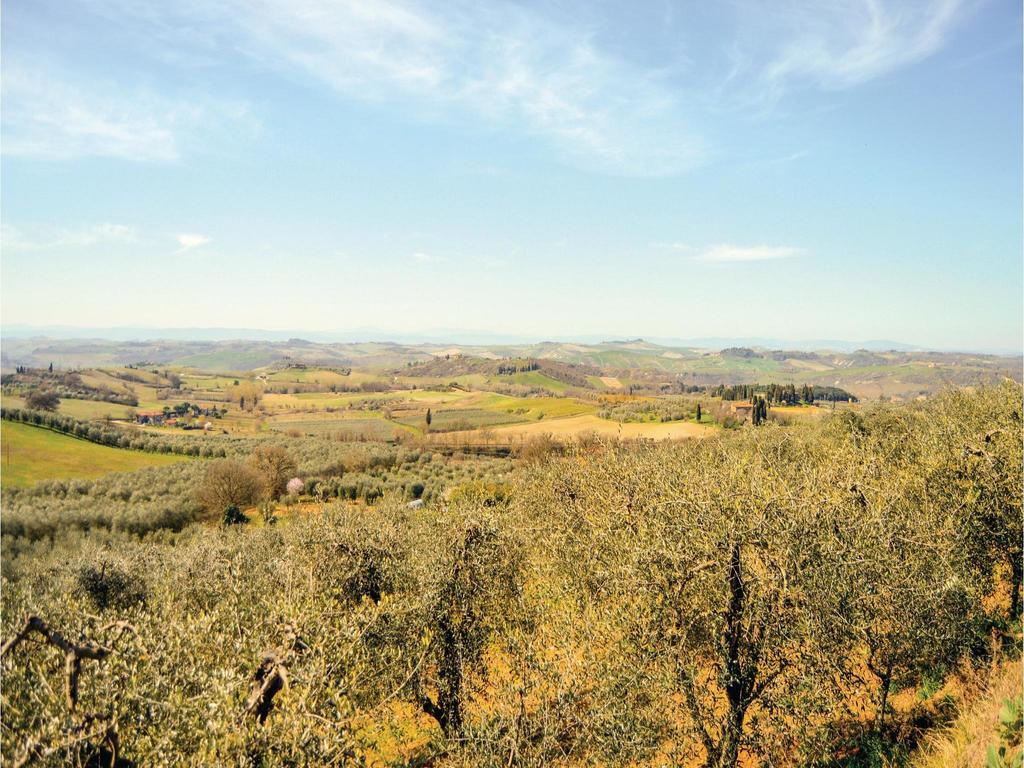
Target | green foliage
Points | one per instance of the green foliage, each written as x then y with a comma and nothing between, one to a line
234,516
932,681
868,750
42,400
1011,728
662,409
110,585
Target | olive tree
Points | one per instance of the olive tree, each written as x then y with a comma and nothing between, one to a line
973,455
275,466
743,591
715,567
471,591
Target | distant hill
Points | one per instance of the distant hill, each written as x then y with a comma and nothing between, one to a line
867,373
448,336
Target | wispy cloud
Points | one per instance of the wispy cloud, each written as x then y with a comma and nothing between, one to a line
190,241
842,44
524,71
517,69
421,257
46,118
498,62
730,253
15,239
53,115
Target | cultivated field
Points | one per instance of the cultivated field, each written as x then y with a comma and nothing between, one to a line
30,454
573,426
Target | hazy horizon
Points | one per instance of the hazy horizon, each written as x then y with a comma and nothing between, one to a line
463,337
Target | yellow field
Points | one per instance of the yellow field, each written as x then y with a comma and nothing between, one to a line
798,411
588,423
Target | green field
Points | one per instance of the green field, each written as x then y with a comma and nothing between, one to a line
370,429
455,419
81,409
535,379
30,454
531,408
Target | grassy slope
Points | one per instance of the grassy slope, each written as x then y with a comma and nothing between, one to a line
29,454
534,408
965,743
535,379
371,428
81,409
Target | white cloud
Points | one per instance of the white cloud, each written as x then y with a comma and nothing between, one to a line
612,109
842,44
53,115
46,118
523,70
15,239
101,233
500,62
189,241
427,258
730,253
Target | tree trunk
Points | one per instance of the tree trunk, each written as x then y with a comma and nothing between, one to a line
1017,575
735,678
729,745
883,698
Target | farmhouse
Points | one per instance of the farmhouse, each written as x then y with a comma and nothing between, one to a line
743,409
150,417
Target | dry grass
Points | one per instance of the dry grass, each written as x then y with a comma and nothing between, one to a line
965,743
589,424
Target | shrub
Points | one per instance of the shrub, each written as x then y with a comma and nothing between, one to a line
109,586
275,466
234,516
229,483
42,400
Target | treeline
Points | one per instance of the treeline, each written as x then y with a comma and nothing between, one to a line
508,368
756,597
373,473
460,365
116,437
293,388
781,394
661,410
63,384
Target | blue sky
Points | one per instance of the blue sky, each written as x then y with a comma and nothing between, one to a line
793,169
